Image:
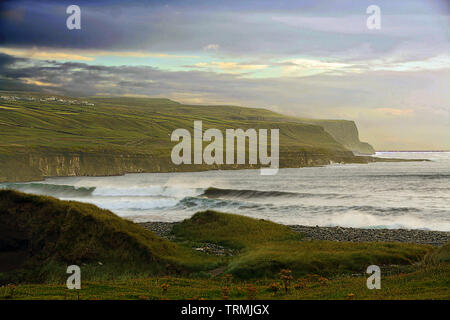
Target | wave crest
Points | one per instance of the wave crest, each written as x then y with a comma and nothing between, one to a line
215,193
57,190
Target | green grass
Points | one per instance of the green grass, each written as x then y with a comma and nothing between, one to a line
52,234
438,256
40,236
267,247
139,125
230,230
420,284
325,257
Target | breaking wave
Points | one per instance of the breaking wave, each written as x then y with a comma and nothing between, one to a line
249,194
57,190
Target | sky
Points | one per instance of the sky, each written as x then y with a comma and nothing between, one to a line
307,58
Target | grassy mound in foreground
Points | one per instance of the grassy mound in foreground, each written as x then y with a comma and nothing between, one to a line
328,258
39,236
267,247
231,230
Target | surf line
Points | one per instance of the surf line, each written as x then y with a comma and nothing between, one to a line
213,153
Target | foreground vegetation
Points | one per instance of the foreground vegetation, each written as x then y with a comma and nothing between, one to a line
429,283
266,247
41,236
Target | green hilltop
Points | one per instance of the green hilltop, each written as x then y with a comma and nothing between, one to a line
110,136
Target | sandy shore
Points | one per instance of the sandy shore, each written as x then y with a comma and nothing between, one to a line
435,238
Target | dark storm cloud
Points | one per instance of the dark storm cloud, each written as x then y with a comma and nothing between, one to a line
7,60
239,27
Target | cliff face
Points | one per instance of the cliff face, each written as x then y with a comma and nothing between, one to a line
346,133
37,164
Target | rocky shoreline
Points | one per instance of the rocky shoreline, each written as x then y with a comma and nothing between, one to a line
435,238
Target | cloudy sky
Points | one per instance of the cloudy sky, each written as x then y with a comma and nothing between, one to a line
310,58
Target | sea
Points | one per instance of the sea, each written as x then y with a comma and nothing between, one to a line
407,195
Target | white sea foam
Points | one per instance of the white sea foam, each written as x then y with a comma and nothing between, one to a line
129,203
411,195
146,191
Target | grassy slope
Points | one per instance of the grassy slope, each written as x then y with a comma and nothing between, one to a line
267,247
136,125
234,231
51,233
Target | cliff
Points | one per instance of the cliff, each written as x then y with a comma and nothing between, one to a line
130,135
346,133
36,164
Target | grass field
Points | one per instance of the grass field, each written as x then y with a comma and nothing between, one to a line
138,125
431,283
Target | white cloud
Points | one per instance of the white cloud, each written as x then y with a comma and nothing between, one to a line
35,53
434,63
394,112
43,53
229,66
39,83
307,67
211,46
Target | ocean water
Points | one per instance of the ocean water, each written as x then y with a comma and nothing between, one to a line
410,195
